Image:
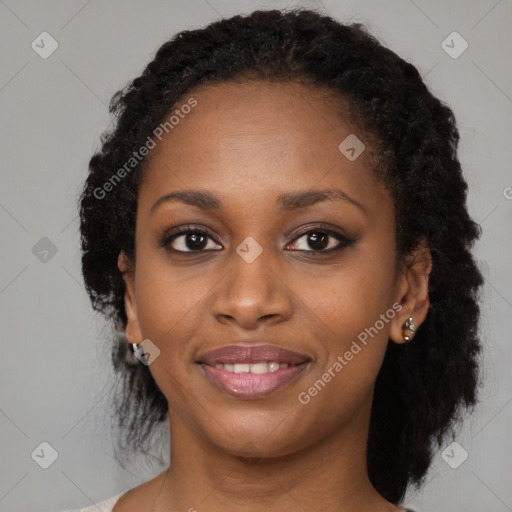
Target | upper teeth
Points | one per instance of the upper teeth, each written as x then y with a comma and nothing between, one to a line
252,368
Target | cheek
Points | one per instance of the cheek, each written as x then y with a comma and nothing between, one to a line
350,296
169,303
352,311
170,315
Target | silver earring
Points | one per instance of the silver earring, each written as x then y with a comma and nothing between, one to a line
138,352
408,329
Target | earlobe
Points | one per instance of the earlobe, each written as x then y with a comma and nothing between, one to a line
412,294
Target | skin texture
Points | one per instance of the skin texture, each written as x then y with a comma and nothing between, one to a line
247,143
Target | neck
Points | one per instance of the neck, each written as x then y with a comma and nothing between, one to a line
331,474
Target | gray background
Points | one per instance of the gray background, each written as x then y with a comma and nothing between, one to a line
55,369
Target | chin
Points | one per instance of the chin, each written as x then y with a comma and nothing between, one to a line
255,436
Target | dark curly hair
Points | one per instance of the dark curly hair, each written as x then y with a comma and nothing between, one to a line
420,392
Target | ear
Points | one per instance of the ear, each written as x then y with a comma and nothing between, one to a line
133,332
412,289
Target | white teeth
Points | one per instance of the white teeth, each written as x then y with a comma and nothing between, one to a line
272,367
241,368
257,368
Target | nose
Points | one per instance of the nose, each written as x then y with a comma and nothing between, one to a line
252,294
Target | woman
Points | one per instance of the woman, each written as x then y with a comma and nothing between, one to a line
277,228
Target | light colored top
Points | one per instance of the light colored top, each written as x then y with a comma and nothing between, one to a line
104,506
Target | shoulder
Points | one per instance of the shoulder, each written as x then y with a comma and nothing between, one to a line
104,506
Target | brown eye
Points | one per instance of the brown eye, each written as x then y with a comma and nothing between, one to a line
190,240
320,240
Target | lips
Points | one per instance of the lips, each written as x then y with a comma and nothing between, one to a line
243,354
253,371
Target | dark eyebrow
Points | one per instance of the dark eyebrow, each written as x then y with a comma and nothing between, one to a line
303,199
289,201
199,198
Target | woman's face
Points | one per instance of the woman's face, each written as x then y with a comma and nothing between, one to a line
280,265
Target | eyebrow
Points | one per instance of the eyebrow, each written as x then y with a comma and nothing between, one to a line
288,201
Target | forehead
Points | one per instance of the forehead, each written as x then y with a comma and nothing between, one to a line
287,117
268,136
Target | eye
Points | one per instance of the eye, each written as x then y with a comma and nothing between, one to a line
189,239
320,240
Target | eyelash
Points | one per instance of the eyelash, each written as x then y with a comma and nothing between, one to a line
319,229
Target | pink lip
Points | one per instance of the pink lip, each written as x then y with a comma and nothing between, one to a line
251,354
249,385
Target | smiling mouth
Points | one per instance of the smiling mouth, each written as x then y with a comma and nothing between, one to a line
252,372
256,368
